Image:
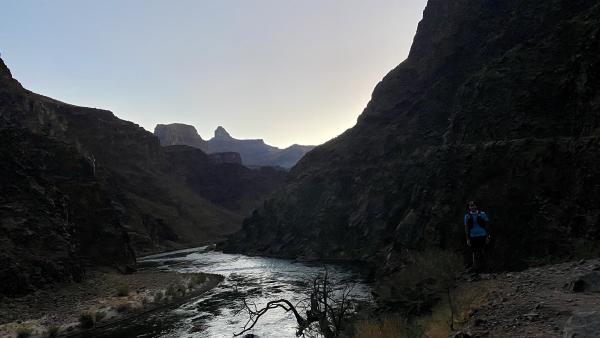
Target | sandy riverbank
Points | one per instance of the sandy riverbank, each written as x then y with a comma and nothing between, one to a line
101,299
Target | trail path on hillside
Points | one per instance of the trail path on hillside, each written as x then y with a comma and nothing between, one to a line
560,300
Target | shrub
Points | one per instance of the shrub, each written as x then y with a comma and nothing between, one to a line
123,307
86,320
23,332
53,331
180,290
158,296
171,291
198,278
426,278
123,291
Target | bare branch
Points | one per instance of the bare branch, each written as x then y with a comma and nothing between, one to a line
327,307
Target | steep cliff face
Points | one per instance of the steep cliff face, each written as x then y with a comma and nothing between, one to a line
499,102
252,152
81,187
178,133
56,214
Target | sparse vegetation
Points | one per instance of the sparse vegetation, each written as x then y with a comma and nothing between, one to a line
389,327
432,305
175,291
464,298
171,291
428,276
198,278
435,324
123,291
87,320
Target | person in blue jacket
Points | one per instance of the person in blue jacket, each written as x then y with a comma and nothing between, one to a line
477,231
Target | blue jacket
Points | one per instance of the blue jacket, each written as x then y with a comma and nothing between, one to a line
477,230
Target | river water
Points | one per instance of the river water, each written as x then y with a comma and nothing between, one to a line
256,279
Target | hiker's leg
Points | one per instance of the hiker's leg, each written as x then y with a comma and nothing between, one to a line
473,250
485,257
477,244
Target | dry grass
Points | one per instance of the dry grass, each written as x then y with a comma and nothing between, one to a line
427,278
389,327
418,286
435,325
464,298
433,264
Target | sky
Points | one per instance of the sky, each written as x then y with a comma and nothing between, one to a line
286,71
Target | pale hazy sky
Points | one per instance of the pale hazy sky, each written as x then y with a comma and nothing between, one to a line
288,71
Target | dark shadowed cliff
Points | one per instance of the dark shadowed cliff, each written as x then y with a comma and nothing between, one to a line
253,153
498,101
81,187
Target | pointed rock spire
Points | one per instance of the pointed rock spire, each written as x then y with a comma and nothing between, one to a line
221,133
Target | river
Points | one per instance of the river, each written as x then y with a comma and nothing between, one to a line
216,313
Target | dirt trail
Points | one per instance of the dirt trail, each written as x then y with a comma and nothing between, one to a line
560,300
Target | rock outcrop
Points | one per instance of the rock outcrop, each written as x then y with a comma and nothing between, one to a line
253,153
56,211
498,101
178,133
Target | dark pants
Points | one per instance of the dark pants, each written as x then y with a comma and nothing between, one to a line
478,245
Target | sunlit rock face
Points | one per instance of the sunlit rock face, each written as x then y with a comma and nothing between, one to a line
498,101
178,133
253,153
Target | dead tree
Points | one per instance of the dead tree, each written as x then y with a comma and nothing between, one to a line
328,309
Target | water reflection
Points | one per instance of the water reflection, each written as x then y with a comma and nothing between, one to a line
216,313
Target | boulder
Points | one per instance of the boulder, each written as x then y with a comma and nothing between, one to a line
583,325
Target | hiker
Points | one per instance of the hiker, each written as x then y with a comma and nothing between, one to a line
477,231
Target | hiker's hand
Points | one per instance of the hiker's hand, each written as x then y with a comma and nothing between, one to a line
488,239
468,242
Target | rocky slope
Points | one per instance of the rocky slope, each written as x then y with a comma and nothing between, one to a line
498,101
547,301
81,187
253,153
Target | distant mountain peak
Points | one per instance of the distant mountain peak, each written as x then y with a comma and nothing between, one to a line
221,133
253,152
